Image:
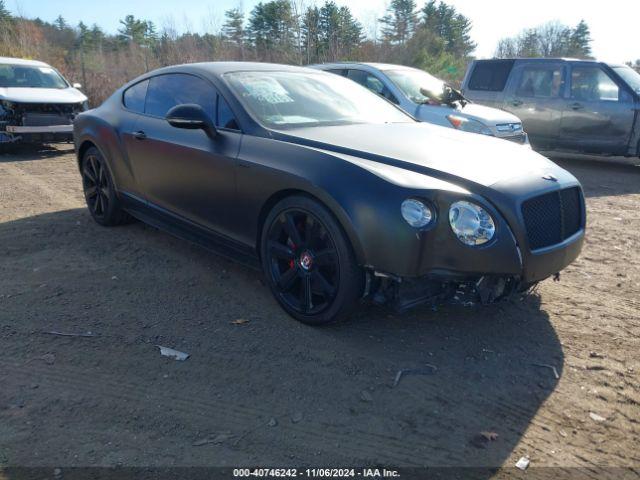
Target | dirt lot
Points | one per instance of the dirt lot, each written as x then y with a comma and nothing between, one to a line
274,392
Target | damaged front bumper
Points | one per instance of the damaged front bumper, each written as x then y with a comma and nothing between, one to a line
37,123
404,293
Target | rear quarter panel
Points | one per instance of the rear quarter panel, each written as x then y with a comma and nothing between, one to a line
102,127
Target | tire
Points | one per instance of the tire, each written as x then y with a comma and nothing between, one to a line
309,262
99,191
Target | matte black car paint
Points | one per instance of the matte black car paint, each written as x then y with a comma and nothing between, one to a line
218,191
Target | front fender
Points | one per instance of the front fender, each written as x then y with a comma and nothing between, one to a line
367,206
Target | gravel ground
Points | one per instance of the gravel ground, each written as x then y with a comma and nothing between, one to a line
270,391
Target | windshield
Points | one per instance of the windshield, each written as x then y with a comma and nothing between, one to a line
25,76
301,99
630,76
415,83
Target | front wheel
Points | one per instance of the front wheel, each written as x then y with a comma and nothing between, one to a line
309,262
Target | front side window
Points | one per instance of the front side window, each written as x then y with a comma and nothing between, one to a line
418,85
225,118
134,96
167,91
592,84
630,76
540,82
297,99
27,76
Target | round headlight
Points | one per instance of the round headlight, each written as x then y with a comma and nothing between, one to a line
416,213
471,223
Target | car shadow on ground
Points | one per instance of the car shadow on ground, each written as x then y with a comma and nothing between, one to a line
281,393
29,152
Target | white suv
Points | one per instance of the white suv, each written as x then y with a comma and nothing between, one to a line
37,104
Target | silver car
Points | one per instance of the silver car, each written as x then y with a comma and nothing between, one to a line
429,99
576,105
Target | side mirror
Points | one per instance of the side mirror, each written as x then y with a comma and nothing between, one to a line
191,117
77,85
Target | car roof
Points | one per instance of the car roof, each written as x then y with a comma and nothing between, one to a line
540,59
379,66
22,61
220,68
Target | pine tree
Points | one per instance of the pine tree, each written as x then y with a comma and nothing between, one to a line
399,22
453,28
233,29
311,34
60,23
5,14
580,41
272,28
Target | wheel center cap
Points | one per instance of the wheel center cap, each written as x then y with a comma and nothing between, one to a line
305,260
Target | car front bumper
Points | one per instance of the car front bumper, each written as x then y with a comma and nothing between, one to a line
521,138
44,133
19,129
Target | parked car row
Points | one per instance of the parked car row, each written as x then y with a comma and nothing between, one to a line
429,99
336,191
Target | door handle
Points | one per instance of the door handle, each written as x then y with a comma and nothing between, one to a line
516,103
140,135
576,106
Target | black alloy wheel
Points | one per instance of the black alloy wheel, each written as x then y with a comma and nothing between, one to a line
96,188
308,262
99,191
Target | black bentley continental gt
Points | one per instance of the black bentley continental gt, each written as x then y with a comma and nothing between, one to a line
336,193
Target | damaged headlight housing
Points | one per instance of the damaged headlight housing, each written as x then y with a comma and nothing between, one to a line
471,223
468,125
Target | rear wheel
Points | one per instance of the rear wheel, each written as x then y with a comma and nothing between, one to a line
309,262
99,191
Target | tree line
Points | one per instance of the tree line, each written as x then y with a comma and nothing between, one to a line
434,37
552,39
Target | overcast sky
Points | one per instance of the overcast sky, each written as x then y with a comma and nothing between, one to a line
614,23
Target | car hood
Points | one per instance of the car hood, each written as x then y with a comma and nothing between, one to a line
41,95
430,148
488,115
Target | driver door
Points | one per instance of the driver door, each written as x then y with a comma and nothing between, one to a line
181,172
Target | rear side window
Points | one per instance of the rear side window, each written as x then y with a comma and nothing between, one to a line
490,76
366,80
134,96
167,91
540,82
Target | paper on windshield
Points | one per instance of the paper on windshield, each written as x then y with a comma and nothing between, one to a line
266,90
